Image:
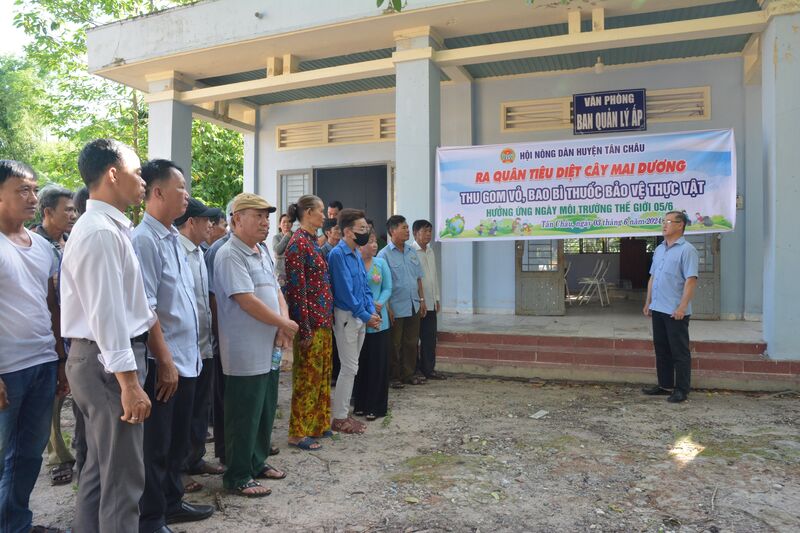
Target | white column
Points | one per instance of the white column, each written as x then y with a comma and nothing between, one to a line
417,112
780,116
170,127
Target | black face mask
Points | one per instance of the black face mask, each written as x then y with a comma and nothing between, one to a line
361,238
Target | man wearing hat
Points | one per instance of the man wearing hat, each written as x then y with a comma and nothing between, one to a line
253,322
194,227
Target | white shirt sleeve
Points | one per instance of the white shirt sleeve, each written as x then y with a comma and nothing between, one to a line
102,293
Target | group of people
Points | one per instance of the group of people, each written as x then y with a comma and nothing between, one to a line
159,328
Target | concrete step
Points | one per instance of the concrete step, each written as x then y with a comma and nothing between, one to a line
738,366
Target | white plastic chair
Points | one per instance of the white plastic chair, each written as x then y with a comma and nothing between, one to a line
596,285
585,283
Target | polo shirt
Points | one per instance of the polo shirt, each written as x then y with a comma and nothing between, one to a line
245,344
197,264
671,267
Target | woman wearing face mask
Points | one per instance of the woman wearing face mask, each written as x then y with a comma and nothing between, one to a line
372,381
353,311
279,244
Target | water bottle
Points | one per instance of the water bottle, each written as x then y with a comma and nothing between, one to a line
277,354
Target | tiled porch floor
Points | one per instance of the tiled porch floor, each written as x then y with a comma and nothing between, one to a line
623,319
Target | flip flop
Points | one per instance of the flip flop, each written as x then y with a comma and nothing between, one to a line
264,474
307,443
327,434
240,490
192,486
61,474
274,450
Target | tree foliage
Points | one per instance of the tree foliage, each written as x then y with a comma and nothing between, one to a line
21,95
81,107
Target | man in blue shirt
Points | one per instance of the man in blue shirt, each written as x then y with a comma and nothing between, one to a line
169,285
353,311
407,304
673,277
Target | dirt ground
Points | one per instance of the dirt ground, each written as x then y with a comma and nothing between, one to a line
471,454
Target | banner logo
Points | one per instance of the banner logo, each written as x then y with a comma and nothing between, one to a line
507,155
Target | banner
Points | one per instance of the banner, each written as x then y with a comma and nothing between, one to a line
598,187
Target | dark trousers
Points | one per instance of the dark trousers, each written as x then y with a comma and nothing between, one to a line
371,390
166,439
201,407
403,354
218,408
673,358
427,344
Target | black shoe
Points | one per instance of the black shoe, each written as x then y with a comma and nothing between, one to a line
655,390
677,396
190,512
163,529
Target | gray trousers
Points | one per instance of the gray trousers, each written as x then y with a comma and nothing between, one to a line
112,480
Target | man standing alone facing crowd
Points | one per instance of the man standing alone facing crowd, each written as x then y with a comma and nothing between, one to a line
673,277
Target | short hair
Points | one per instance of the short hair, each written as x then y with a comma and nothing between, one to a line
347,217
49,196
10,168
215,220
97,157
682,217
394,221
420,224
229,212
329,224
297,210
157,170
336,204
81,195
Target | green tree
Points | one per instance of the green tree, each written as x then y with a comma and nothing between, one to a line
81,107
21,110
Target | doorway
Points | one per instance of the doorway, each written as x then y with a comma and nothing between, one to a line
362,187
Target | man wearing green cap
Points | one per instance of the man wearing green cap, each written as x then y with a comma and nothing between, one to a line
254,325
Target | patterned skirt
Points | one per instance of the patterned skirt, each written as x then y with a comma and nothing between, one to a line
311,386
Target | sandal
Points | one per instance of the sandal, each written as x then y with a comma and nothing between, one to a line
306,443
192,485
61,474
252,486
274,450
397,385
265,473
348,425
207,468
371,417
327,434
414,380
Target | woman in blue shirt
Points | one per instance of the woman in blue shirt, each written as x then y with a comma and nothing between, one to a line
372,381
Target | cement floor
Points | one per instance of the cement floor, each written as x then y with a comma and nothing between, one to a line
622,319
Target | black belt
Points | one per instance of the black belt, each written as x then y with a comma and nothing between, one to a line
138,339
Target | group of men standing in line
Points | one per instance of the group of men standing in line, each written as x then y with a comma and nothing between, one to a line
142,314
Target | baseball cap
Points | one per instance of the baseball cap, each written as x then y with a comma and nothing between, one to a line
196,208
247,200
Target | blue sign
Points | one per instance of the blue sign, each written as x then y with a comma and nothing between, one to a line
609,111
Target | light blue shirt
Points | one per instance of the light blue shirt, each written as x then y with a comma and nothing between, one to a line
379,280
169,286
349,282
671,267
406,270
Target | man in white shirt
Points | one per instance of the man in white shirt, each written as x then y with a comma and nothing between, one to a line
169,285
426,364
31,356
106,316
194,227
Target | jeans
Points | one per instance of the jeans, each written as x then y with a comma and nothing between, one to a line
24,432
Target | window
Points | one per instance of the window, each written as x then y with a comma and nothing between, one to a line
605,245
